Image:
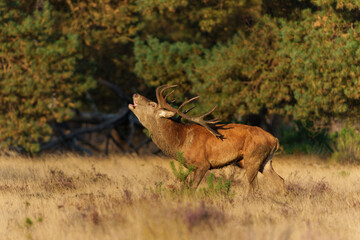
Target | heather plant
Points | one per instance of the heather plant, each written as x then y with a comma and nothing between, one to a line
319,204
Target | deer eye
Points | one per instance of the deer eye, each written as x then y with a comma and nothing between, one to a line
152,104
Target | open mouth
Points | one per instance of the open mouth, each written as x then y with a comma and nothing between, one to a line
132,106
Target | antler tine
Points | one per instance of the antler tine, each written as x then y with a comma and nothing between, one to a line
209,112
205,123
186,102
159,91
199,120
167,95
166,87
188,110
214,121
215,133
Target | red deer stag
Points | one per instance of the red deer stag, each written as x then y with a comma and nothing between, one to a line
205,145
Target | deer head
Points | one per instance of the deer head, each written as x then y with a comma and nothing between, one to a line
148,111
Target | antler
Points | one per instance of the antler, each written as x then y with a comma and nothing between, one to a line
199,120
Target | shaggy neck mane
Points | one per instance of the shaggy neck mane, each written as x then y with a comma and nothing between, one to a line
169,136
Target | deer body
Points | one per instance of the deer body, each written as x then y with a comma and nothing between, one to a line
245,146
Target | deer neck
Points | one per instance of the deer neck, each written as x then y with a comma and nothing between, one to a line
169,136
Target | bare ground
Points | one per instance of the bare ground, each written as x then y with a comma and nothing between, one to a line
130,197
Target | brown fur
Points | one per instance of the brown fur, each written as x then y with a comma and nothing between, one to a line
245,146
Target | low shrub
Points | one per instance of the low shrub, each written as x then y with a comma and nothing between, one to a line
303,138
217,187
181,173
347,146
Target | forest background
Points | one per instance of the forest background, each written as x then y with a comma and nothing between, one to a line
297,60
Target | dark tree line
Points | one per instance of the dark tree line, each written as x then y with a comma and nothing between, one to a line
80,61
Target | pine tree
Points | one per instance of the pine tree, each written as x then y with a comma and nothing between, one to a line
40,76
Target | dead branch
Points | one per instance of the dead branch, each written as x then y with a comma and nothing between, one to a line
109,123
115,89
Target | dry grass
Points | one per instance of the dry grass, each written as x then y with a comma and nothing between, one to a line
121,197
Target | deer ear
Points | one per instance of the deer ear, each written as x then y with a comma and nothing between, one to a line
165,114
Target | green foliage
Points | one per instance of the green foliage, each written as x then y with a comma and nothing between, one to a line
200,22
322,51
218,187
222,75
294,58
214,187
180,173
303,138
40,75
347,143
344,173
304,65
28,222
106,30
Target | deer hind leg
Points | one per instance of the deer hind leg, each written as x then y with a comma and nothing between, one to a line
252,168
251,174
270,173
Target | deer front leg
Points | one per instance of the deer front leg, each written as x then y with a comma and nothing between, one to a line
198,174
197,160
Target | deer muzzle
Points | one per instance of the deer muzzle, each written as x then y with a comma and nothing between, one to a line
132,106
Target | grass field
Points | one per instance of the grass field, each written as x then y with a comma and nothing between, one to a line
131,197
